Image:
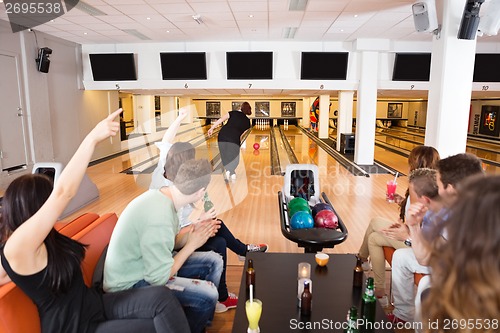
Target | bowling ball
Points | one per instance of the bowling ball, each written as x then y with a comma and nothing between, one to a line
256,146
326,219
256,152
302,220
319,207
298,202
297,205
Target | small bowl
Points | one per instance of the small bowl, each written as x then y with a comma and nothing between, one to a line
321,258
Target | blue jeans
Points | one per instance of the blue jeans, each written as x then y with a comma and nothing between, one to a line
195,286
219,243
198,298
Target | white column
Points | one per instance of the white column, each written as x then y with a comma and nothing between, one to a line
366,112
144,106
168,110
344,120
306,105
452,68
324,116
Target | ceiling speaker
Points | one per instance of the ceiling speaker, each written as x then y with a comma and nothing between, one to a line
424,16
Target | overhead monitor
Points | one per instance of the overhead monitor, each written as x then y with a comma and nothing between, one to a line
324,65
412,67
113,66
485,67
249,65
183,65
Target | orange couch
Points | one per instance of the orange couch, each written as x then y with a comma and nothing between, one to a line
18,314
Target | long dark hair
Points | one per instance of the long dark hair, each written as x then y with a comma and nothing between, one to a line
22,199
246,108
465,269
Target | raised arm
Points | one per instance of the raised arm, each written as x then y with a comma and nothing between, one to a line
217,123
24,249
174,127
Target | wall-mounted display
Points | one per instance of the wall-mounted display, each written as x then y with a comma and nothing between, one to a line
236,105
489,120
262,109
288,109
394,110
213,109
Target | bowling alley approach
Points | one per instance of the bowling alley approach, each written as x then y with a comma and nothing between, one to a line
259,166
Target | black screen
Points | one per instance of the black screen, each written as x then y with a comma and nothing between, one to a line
323,65
113,66
485,67
249,65
183,66
412,67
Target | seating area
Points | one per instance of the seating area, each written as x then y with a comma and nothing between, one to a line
17,312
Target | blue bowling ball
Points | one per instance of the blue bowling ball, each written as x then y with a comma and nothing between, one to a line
319,207
302,220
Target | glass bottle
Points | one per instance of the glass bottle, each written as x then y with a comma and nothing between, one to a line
357,278
352,321
250,275
369,302
306,300
207,203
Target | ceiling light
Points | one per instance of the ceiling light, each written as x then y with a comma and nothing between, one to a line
250,15
86,8
148,18
289,32
297,5
84,33
197,18
355,15
168,31
136,33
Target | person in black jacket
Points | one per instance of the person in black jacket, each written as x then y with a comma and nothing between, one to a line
229,138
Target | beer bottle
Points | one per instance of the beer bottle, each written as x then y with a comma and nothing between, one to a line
357,279
306,300
250,273
369,302
207,204
352,321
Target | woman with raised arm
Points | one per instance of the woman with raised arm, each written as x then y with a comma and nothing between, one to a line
46,264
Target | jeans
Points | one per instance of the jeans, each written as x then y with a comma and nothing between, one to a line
198,298
219,244
232,242
151,309
404,264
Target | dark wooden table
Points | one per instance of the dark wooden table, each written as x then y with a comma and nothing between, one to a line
276,287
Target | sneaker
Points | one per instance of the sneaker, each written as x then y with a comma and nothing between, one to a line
384,301
229,303
227,175
254,248
233,177
391,317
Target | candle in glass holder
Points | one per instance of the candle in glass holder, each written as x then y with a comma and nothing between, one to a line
304,271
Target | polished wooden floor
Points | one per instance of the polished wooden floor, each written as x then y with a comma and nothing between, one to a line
249,206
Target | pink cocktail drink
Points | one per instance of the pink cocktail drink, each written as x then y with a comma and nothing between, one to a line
391,190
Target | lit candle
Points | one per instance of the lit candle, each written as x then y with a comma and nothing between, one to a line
304,270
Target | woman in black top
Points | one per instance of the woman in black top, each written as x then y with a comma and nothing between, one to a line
46,264
229,138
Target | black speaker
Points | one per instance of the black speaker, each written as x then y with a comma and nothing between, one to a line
43,62
470,20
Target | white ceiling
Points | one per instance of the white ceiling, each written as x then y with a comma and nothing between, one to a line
240,20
